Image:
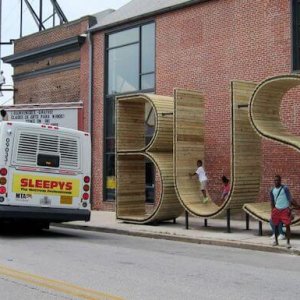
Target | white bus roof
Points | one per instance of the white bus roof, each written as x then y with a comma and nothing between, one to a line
42,126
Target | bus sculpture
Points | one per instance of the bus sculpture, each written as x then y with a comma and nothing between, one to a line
178,142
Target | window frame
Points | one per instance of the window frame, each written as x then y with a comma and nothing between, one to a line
295,36
111,97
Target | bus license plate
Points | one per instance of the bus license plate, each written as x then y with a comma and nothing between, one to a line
67,200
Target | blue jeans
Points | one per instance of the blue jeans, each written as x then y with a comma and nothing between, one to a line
280,227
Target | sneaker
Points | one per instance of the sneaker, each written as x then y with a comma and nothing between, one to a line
272,237
288,246
274,243
205,200
281,237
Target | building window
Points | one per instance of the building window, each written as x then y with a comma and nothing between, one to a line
130,65
123,66
296,34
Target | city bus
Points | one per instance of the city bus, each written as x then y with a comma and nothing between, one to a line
45,173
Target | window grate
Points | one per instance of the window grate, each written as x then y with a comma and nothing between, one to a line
32,144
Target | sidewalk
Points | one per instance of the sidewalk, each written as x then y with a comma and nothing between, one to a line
214,234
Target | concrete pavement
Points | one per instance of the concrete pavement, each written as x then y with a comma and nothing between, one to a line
214,234
119,266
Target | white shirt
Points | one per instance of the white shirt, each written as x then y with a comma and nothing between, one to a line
201,174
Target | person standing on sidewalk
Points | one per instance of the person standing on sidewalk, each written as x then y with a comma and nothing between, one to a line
280,204
280,231
2,81
3,115
200,172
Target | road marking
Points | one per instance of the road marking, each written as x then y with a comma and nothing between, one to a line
57,285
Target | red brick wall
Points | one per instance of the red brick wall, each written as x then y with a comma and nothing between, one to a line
84,81
43,63
57,87
205,46
62,86
97,114
98,117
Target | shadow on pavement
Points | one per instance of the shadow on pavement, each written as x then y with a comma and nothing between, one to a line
27,230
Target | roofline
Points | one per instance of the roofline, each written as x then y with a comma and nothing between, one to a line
54,48
36,106
89,18
148,15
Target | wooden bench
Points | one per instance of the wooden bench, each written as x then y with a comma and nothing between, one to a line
262,213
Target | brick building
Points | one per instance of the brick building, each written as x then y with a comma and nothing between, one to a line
47,65
154,46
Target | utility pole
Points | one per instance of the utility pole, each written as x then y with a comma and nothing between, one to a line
41,15
21,18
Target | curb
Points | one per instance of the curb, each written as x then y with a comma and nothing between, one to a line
169,237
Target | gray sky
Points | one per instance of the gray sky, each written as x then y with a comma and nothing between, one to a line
73,9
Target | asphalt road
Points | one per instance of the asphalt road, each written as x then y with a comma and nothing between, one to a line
138,268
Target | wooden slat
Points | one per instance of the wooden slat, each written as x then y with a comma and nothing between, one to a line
131,152
262,212
265,119
189,147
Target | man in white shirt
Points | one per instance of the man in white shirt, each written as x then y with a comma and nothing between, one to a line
200,172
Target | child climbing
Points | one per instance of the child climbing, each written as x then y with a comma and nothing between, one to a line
226,188
200,172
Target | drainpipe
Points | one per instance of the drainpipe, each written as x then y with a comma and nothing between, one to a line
90,95
90,105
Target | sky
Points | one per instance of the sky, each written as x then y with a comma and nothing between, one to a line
73,9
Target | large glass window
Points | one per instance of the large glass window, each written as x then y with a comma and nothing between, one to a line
130,65
148,49
296,34
124,37
123,66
